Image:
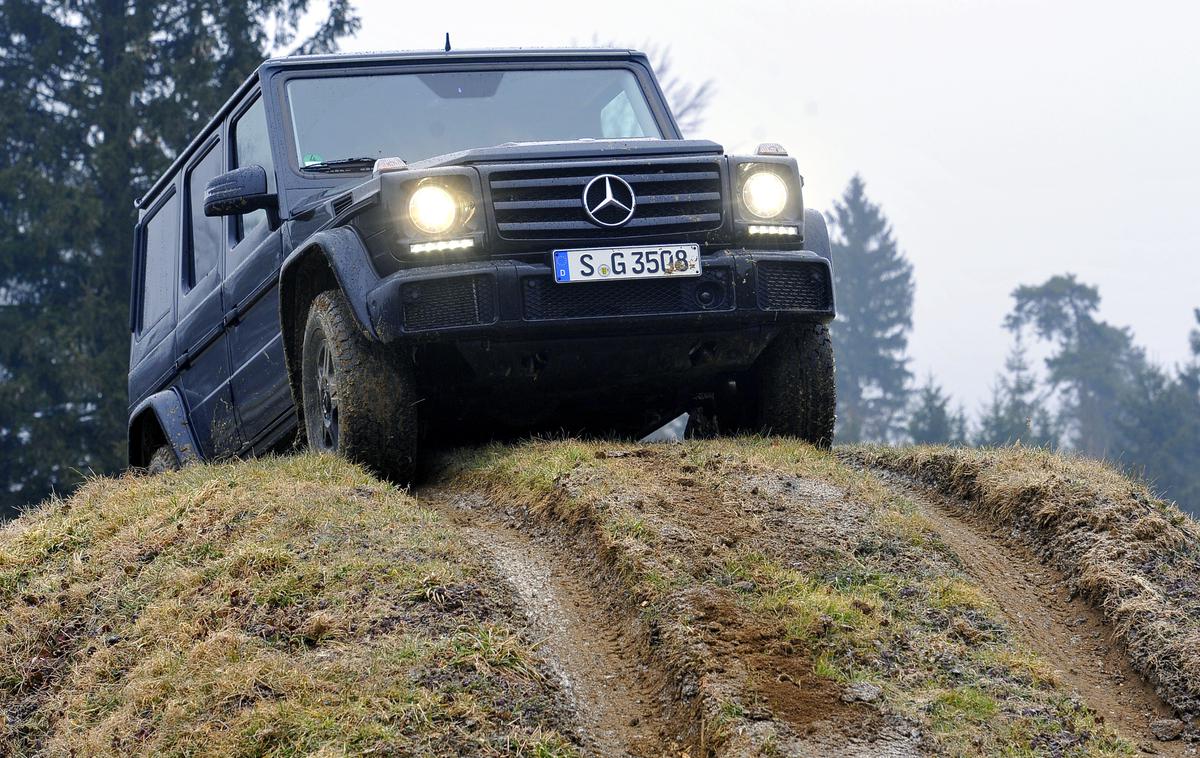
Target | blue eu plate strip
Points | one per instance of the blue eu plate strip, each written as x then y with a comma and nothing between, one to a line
562,271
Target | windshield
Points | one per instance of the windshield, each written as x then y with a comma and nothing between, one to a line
420,115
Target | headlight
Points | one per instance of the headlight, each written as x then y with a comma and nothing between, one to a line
765,194
432,209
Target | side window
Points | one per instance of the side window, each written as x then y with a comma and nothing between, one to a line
205,231
252,145
160,241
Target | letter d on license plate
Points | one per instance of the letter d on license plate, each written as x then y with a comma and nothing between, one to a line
612,263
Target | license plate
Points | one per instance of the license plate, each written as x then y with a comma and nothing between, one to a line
611,263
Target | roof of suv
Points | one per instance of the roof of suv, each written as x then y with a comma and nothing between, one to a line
515,53
292,62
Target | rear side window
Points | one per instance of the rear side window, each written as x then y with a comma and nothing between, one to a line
252,145
205,232
160,250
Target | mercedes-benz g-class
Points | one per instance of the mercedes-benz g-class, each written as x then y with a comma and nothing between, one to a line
368,248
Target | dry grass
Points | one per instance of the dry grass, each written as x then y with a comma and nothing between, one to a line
1135,556
279,607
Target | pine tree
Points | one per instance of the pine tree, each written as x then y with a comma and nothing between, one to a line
1016,413
931,422
874,290
1094,365
98,96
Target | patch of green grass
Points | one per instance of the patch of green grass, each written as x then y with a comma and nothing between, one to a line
971,704
533,469
633,527
952,594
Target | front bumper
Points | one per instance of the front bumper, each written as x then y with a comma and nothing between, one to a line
516,300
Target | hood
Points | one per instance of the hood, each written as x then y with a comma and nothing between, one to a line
571,149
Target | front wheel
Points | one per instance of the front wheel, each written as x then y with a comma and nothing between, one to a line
162,461
359,398
797,395
790,390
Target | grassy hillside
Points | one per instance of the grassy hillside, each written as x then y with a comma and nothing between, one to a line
280,607
771,599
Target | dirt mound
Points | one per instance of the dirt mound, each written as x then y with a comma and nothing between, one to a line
794,605
726,598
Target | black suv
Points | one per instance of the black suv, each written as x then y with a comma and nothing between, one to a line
369,249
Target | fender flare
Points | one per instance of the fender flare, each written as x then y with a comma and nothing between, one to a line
347,257
329,258
166,410
816,234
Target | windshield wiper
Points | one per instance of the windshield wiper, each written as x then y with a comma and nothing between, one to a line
341,165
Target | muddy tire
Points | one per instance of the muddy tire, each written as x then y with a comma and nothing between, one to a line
359,397
790,391
162,461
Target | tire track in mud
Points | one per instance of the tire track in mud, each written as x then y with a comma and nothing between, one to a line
588,644
1035,600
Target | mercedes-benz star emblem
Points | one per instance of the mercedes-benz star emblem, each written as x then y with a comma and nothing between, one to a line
608,200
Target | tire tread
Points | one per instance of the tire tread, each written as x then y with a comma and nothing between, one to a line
376,393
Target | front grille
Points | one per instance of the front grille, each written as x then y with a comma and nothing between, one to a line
442,303
793,286
546,299
673,197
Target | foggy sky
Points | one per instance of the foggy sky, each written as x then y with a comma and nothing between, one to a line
1006,141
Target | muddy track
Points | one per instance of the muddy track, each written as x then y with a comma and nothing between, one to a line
1062,628
709,669
591,645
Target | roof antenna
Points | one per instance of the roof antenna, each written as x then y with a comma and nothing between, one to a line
447,41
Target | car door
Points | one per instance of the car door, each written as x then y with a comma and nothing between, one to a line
200,335
152,357
251,300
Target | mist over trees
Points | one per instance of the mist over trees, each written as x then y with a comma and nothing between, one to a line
1096,393
98,98
931,420
1094,363
1017,411
873,289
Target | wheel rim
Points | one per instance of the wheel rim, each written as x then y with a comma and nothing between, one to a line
327,398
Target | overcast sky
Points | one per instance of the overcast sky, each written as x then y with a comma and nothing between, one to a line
1005,141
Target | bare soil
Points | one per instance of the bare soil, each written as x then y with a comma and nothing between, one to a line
1061,627
585,638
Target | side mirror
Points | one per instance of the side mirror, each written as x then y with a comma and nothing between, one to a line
239,191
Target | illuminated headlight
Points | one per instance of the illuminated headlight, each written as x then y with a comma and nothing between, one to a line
433,210
765,194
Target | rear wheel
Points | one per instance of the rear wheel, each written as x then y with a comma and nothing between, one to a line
790,391
359,398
